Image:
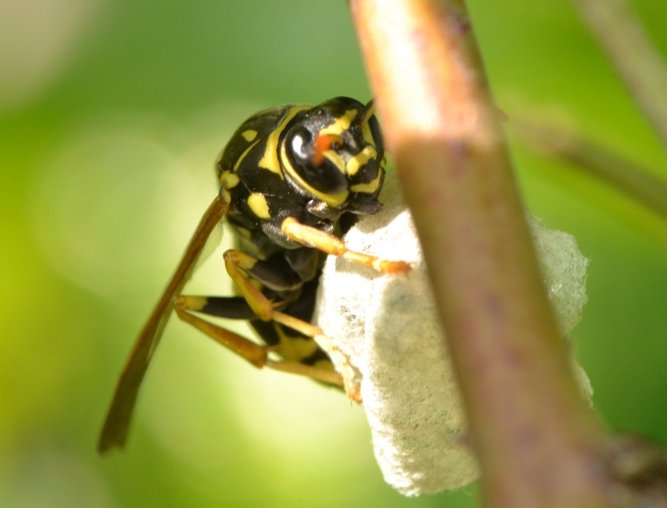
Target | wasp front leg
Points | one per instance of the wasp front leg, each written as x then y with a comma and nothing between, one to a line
331,244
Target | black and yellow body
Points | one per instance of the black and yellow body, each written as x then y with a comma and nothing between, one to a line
260,168
292,179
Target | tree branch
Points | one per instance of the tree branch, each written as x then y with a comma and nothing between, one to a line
609,167
538,443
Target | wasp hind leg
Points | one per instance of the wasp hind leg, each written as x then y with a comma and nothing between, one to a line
187,308
273,274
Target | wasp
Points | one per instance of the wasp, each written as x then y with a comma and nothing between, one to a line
292,180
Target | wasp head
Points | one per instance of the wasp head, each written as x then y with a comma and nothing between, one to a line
334,154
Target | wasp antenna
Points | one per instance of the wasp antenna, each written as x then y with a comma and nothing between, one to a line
368,111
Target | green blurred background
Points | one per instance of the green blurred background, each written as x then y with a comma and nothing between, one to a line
111,115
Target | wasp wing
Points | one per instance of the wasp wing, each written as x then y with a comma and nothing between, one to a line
117,423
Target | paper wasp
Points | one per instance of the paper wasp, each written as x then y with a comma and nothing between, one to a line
292,180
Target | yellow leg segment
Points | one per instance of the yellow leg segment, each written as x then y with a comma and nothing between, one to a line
236,263
327,376
245,348
330,244
254,353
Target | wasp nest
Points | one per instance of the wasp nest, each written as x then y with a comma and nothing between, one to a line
386,341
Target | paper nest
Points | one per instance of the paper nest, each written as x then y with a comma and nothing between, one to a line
384,338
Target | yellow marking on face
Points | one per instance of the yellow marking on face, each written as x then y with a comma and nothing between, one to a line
245,153
365,122
359,160
249,135
270,159
329,199
229,180
336,159
259,206
369,187
340,124
366,133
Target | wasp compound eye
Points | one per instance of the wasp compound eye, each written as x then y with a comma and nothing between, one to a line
300,143
316,162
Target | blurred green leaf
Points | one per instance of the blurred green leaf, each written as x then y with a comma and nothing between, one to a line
105,168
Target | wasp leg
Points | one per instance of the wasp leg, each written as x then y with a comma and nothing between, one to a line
331,244
240,266
229,307
299,347
349,373
252,352
235,307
